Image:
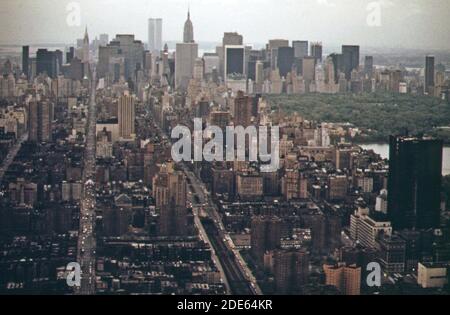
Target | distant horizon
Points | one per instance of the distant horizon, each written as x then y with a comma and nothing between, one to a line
413,24
254,45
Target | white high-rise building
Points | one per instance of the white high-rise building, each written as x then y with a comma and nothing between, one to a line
155,35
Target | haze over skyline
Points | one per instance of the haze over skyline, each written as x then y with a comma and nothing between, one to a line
407,24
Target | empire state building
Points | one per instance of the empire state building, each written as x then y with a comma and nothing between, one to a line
188,30
185,56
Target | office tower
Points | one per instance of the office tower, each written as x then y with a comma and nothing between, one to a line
259,72
291,268
185,56
74,70
415,173
243,110
265,236
338,62
122,57
103,39
229,39
211,61
155,35
277,43
220,119
251,70
40,115
188,34
272,50
395,77
300,48
350,58
70,55
47,62
169,191
309,69
330,73
126,117
203,107
86,57
368,66
232,38
347,279
429,75
316,51
198,69
26,60
285,60
234,60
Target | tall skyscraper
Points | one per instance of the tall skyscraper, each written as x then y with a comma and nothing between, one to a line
126,117
338,62
415,175
188,34
40,115
122,57
229,39
232,38
185,56
26,60
234,60
259,72
300,48
169,191
316,51
70,55
86,57
429,75
368,66
155,35
308,68
47,62
243,110
103,39
285,60
272,50
86,54
350,60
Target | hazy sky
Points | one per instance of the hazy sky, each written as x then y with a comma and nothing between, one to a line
406,23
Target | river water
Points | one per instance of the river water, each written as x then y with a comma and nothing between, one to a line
383,150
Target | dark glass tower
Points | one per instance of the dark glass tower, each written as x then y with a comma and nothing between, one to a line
26,60
429,74
415,175
47,62
285,60
350,59
368,66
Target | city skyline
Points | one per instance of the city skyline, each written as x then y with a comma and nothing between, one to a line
417,24
293,167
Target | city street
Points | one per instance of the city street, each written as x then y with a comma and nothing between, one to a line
11,156
86,239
